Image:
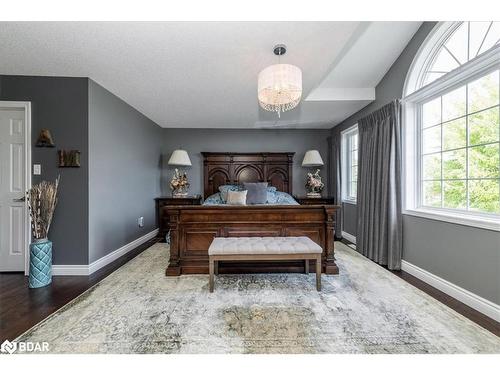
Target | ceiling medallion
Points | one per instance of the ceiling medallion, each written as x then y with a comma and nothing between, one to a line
280,85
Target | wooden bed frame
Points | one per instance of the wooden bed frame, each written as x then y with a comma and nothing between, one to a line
192,228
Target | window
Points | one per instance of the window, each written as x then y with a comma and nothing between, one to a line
460,148
452,148
452,45
350,164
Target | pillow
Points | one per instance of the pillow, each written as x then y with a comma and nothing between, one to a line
225,188
257,192
271,189
213,199
237,198
285,198
280,198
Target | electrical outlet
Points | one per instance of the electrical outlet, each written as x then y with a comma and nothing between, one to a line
37,169
140,221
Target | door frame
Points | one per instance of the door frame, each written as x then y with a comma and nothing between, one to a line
26,106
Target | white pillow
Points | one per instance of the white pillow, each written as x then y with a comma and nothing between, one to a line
237,198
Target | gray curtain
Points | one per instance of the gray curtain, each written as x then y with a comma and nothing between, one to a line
379,228
335,175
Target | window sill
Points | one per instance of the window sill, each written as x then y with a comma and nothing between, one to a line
349,201
456,218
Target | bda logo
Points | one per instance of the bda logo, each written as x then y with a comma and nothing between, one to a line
8,347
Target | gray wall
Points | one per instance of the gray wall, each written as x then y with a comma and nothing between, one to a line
60,105
466,256
124,174
349,219
233,140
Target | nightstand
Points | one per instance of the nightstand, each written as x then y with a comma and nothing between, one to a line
163,202
309,200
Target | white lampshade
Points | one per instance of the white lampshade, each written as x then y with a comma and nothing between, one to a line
180,157
279,87
312,158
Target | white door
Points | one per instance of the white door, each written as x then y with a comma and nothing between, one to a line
12,189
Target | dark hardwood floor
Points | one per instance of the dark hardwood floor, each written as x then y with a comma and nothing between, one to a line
474,315
21,307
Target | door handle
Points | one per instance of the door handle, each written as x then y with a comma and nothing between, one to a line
22,199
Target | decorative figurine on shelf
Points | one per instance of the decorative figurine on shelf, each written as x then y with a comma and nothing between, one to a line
44,139
314,185
179,183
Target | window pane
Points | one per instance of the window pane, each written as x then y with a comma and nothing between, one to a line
432,193
454,164
455,194
431,167
457,43
454,104
484,196
477,33
354,187
454,134
431,76
444,62
483,126
483,161
431,113
483,93
492,37
431,140
354,142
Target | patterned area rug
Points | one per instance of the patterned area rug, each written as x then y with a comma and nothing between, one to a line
366,309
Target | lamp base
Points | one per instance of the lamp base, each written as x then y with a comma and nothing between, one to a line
179,195
313,195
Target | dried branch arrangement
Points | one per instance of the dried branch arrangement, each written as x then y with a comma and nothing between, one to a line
42,200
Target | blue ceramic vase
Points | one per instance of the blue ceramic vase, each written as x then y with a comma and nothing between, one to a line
40,263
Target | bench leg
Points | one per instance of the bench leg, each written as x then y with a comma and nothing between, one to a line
211,276
318,273
216,267
306,266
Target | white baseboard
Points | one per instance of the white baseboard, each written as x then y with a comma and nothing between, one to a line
70,270
478,303
105,260
349,237
85,270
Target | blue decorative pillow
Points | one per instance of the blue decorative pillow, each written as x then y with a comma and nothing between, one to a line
280,198
257,192
214,199
271,197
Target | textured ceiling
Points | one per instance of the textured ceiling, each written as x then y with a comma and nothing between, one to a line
204,74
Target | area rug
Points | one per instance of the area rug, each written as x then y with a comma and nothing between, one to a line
365,309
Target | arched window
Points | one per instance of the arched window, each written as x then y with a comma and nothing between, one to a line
452,111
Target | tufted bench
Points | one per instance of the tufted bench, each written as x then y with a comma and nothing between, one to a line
264,248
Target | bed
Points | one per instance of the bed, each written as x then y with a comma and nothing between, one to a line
192,228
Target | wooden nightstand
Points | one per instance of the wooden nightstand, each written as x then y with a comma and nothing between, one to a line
163,202
308,200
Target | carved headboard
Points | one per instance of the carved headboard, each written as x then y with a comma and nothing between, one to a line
224,168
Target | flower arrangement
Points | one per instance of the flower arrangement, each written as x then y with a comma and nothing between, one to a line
42,201
179,183
314,185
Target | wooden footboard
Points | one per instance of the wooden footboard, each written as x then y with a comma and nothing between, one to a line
192,229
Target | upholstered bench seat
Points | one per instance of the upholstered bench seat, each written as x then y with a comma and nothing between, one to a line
264,248
263,245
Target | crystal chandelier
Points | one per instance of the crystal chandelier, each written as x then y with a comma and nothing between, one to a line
280,85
